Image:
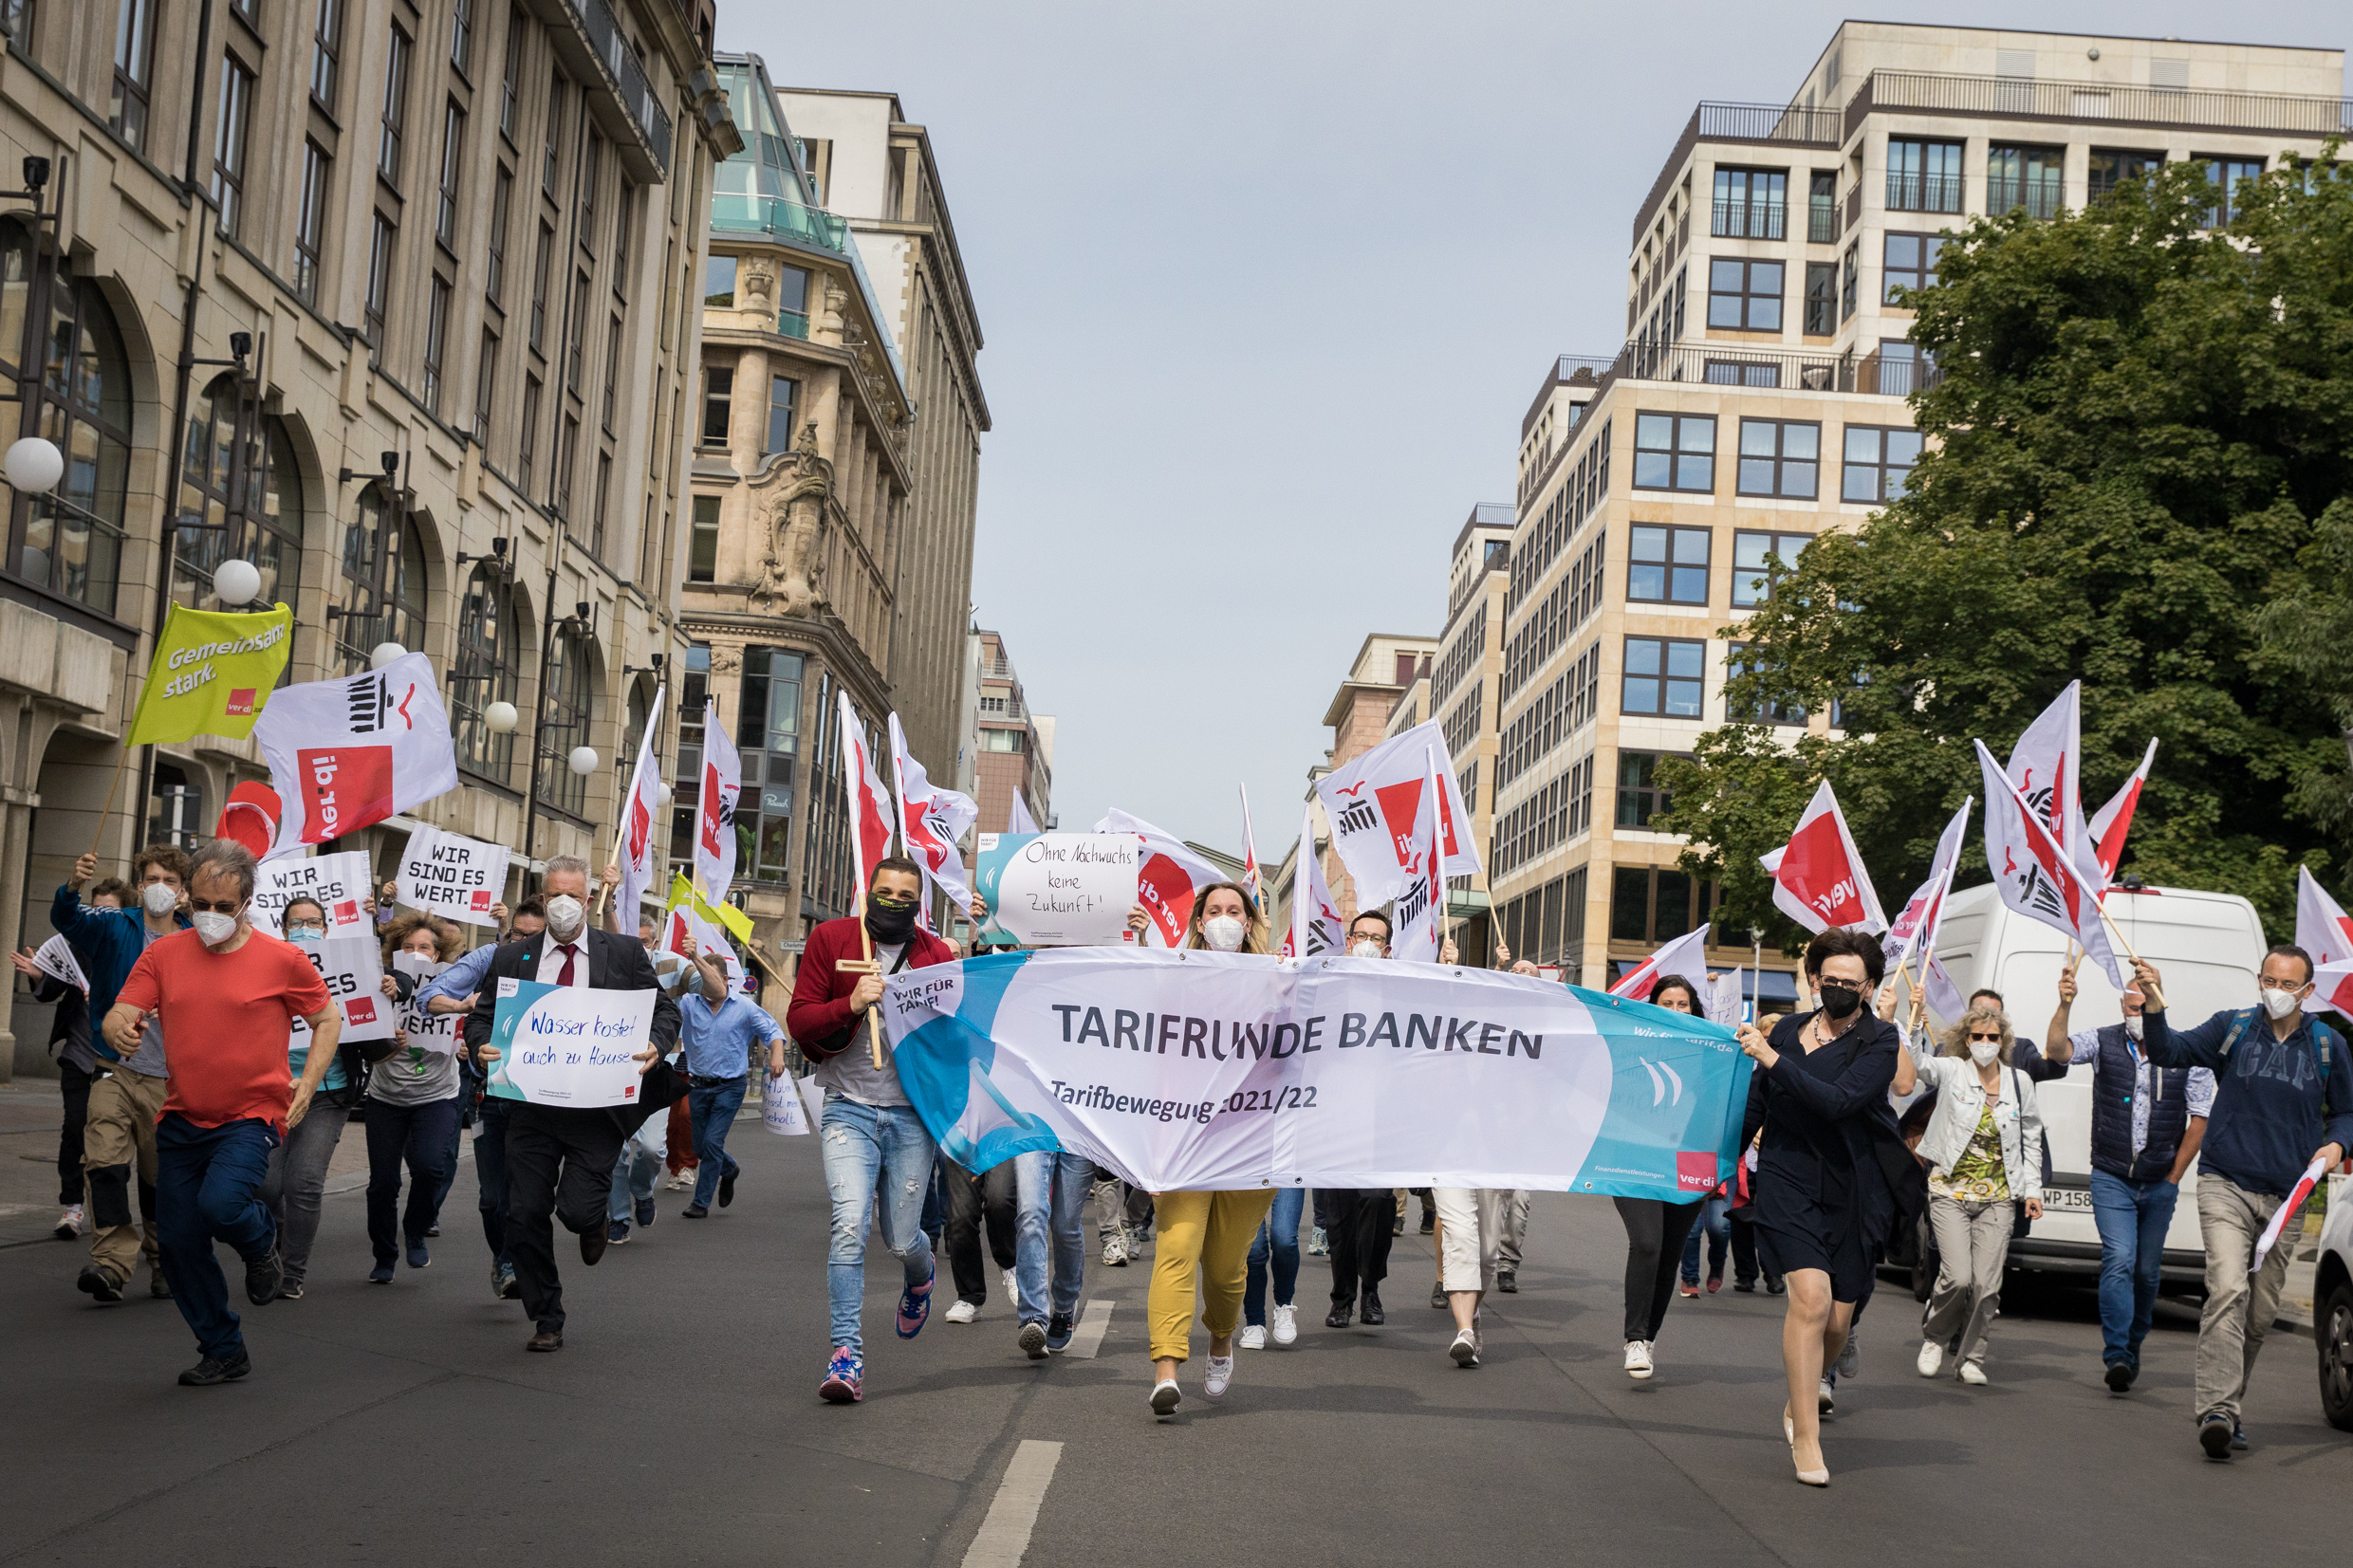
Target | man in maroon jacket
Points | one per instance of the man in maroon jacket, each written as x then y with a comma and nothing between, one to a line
868,1133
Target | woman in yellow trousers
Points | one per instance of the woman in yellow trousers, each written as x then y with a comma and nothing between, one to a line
1204,1236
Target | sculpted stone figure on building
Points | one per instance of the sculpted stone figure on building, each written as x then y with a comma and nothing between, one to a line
794,512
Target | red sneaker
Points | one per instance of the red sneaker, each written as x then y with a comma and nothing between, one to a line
1716,1282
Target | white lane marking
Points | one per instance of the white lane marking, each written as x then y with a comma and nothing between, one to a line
1005,1534
1088,1339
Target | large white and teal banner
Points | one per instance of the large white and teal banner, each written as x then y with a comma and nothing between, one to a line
1190,1070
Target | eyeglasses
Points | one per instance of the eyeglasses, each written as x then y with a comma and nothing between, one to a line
225,906
1975,1036
1831,983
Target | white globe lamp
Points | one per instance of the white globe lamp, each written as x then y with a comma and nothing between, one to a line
584,760
663,792
384,654
237,583
34,465
501,718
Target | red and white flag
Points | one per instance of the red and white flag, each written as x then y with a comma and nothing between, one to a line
869,802
1254,878
347,754
2324,930
1169,879
2292,1205
1819,879
930,820
714,807
1418,919
1686,956
1374,801
1913,930
2115,819
1944,998
640,819
2038,878
2047,765
1315,926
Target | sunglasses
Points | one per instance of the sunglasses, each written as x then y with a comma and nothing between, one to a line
225,906
1975,1036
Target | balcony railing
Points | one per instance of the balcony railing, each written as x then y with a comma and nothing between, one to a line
1822,220
2007,98
2040,198
781,219
1768,124
1746,220
1923,192
1854,204
592,20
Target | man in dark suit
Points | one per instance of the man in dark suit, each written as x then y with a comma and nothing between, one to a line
560,1158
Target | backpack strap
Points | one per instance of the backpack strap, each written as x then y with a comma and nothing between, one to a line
2239,1025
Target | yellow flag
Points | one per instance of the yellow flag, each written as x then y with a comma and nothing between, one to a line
683,894
214,671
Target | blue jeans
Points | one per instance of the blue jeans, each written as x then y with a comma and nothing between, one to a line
638,1170
2133,1217
489,1171
208,1188
866,1147
711,1108
1719,1233
1278,1237
422,1137
1049,1223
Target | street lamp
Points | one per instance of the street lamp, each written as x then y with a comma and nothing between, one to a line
384,653
33,465
583,761
236,582
500,718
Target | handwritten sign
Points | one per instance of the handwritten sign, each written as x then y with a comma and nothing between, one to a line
354,981
568,1044
55,958
339,883
447,875
1059,889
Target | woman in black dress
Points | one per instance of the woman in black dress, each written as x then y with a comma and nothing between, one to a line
1824,1203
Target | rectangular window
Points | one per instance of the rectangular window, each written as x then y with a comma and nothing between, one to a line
1850,281
1748,203
1821,299
1735,663
1674,452
1753,553
555,141
380,244
1665,677
230,138
510,85
326,48
2224,174
1910,261
1744,295
527,445
453,161
2025,176
792,301
780,390
768,728
437,339
591,175
576,342
612,369
604,497
1629,904
1879,461
1899,369
461,36
540,279
1780,457
718,399
2111,167
484,385
135,70
1639,798
310,222
1668,565
719,282
1822,212
1923,176
495,273
702,558
395,106
625,220
567,458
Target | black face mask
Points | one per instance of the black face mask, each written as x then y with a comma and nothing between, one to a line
1838,1001
888,922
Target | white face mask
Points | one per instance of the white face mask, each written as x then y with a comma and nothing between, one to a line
2280,1003
159,898
2132,1026
1365,949
1224,933
215,927
1984,1052
564,914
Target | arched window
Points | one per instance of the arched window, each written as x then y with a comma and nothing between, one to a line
383,597
70,540
489,636
237,501
563,709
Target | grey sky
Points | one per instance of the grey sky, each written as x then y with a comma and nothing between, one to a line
1267,289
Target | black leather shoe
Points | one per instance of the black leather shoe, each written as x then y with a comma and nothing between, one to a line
1437,1295
1370,1311
547,1339
727,1188
262,1276
2120,1376
1507,1282
1339,1316
208,1371
1746,1287
696,1211
593,1241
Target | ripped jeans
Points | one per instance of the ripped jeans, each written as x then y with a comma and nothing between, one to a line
866,1147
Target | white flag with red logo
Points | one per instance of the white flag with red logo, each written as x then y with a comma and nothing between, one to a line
347,754
2115,819
714,807
2047,768
1315,926
1913,930
1373,803
930,820
2039,879
1169,879
870,803
640,817
1819,879
1686,956
2324,930
1944,998
1418,919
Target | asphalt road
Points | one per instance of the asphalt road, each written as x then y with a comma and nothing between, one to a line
680,1425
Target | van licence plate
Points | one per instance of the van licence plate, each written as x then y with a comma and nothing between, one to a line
2067,1197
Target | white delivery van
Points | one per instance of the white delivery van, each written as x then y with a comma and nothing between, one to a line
2208,945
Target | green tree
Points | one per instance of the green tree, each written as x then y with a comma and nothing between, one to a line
2140,476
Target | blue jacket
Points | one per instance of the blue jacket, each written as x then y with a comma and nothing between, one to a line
106,943
2275,1100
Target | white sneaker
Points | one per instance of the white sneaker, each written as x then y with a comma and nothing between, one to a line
1826,1398
963,1312
1253,1337
1932,1358
1220,1376
69,1223
1115,1250
1972,1375
1012,1291
1286,1324
1165,1398
1465,1350
1637,1358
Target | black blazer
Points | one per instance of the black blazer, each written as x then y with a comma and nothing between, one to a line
1833,1139
615,964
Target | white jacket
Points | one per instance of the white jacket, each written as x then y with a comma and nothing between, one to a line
1960,1105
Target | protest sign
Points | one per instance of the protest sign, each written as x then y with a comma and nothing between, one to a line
354,982
445,873
568,1044
55,958
339,883
1059,889
1206,1071
781,1109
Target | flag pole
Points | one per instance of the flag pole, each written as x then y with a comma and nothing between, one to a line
100,837
2155,997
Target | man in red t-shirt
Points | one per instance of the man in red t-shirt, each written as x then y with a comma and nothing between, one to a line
225,995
